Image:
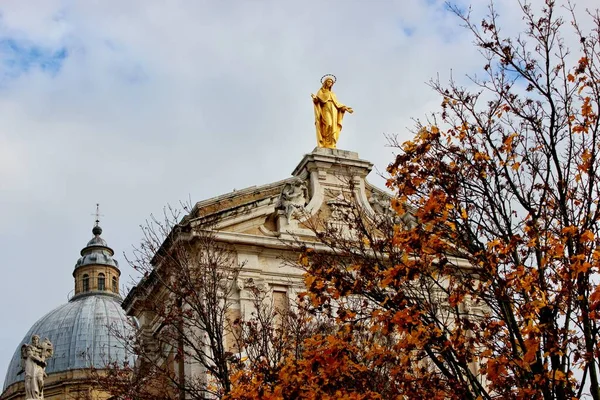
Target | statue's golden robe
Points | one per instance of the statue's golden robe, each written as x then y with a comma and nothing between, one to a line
329,114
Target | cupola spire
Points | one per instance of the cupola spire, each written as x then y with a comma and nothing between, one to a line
96,272
97,230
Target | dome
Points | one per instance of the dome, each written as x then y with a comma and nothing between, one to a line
82,334
97,252
97,241
97,257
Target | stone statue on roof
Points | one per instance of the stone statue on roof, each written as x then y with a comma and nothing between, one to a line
293,198
33,362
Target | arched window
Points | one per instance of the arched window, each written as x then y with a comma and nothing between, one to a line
101,282
86,282
114,284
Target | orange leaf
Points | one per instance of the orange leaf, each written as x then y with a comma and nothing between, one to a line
587,236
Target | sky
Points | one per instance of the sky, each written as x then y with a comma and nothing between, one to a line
143,103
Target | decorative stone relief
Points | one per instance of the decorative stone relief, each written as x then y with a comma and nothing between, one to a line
339,216
380,204
339,209
382,207
293,199
33,362
334,193
408,220
247,285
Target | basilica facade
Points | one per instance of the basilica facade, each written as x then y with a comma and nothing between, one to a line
264,226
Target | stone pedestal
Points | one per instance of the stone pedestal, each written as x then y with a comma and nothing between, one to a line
333,177
333,162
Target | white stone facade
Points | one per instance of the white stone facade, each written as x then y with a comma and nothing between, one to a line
264,225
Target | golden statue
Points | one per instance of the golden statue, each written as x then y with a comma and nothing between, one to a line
329,114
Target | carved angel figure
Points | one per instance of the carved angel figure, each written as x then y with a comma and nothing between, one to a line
382,207
380,204
33,362
292,198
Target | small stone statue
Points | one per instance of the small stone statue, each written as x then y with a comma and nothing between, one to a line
33,362
383,208
409,220
329,113
380,204
292,198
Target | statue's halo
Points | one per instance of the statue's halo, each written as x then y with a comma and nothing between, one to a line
328,76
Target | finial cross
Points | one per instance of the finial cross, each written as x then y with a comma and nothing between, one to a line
97,214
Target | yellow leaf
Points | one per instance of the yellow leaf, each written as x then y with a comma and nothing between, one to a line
479,156
559,375
493,243
569,230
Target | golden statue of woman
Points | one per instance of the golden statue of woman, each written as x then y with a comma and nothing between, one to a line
329,114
